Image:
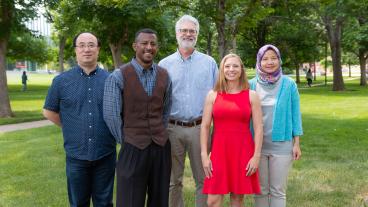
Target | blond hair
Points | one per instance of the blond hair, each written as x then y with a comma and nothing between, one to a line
221,83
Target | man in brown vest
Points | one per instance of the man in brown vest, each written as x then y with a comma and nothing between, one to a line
137,101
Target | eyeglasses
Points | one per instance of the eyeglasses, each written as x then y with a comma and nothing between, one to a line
89,46
191,31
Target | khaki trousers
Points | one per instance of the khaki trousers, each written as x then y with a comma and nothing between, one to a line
183,140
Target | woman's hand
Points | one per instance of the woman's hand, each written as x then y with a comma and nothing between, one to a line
297,153
207,166
252,165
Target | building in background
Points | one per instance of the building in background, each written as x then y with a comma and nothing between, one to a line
40,27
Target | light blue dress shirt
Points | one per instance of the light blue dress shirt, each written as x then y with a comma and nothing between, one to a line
192,79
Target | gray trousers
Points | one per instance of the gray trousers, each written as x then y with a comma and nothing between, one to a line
183,140
273,173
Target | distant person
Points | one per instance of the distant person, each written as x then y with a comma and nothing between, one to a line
74,102
137,103
231,166
193,74
24,81
282,126
309,77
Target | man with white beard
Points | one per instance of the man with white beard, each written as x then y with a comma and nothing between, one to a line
193,74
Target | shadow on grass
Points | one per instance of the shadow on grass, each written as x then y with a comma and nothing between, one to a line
333,169
352,89
341,140
23,116
34,92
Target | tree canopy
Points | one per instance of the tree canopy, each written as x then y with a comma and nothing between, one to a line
300,28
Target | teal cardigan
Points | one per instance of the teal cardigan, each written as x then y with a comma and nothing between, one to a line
287,119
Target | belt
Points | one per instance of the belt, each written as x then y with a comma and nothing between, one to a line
186,124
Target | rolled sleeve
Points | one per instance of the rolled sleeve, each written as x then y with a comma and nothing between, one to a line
112,104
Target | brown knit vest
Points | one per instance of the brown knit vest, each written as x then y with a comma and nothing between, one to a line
142,114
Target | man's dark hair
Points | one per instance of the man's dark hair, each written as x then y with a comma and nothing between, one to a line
145,30
76,37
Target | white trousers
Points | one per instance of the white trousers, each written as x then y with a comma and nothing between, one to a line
273,173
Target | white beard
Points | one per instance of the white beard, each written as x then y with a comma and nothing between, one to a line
186,44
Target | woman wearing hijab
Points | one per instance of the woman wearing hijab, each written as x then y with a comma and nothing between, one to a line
282,126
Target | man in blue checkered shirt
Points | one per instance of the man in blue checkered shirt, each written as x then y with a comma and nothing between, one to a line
74,102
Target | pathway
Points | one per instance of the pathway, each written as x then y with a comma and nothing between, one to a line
25,125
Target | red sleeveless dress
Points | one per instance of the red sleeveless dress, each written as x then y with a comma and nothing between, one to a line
232,146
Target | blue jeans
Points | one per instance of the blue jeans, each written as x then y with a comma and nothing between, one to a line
88,179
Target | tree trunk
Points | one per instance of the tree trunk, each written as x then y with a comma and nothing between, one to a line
220,26
234,31
334,36
363,55
297,74
209,43
233,45
62,41
261,33
116,54
5,109
6,14
362,62
315,70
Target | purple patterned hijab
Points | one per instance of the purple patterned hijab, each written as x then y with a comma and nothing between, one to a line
263,77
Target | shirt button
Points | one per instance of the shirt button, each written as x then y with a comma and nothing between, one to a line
89,89
89,101
89,139
90,126
90,113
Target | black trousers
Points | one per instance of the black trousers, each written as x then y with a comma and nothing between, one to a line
309,81
140,172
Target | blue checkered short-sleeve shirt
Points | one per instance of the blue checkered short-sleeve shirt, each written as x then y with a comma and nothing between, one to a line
78,98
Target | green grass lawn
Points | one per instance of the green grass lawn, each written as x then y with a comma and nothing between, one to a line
333,171
27,106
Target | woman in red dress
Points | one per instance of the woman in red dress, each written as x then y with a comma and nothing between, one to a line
231,165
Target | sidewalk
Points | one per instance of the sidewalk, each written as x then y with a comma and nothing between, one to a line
25,125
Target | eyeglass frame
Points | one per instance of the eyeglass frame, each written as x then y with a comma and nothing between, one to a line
85,46
190,31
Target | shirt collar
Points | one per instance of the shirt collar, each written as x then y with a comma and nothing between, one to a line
139,68
190,58
81,71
